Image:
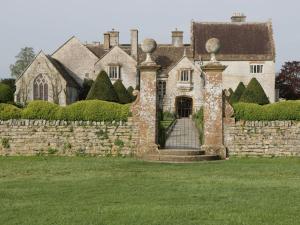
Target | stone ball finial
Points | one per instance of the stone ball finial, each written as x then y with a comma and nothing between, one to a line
148,46
212,46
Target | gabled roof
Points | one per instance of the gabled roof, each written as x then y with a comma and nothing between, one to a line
239,41
63,72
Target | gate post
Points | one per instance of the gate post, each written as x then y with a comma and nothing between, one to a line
213,103
148,123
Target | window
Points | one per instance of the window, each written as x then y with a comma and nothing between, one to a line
255,68
162,86
114,72
184,75
40,88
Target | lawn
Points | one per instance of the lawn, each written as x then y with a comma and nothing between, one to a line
86,190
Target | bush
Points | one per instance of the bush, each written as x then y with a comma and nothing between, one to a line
288,110
40,110
95,110
6,94
130,91
198,118
10,82
123,95
102,89
254,93
86,87
168,116
236,95
8,111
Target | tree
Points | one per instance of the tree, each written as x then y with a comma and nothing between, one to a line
6,94
288,81
10,82
86,86
123,95
103,89
236,95
254,93
24,58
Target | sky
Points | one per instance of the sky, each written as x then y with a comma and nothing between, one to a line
47,24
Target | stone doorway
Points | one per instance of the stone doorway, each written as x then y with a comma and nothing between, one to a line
184,106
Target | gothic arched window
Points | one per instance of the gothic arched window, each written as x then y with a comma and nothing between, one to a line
40,88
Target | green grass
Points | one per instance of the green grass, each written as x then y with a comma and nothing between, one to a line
86,190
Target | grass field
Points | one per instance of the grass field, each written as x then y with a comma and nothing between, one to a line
86,190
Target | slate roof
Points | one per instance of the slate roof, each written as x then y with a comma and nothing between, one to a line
239,41
64,73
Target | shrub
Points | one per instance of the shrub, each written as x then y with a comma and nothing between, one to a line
41,110
123,95
103,89
8,111
86,86
10,82
168,116
288,110
6,94
95,110
198,118
254,93
130,91
236,95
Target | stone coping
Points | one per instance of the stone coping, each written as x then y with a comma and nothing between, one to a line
285,123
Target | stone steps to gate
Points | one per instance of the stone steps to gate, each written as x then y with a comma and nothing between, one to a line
179,156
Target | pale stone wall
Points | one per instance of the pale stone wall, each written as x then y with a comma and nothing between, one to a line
127,64
31,137
41,65
77,59
263,138
172,86
239,71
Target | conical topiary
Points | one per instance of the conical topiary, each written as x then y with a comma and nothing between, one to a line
123,95
103,89
254,93
236,95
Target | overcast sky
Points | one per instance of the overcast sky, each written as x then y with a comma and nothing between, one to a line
46,24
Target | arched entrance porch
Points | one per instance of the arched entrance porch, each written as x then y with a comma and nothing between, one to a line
184,106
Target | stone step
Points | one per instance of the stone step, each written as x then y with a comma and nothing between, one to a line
181,152
179,158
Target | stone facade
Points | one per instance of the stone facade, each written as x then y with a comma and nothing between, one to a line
262,138
32,137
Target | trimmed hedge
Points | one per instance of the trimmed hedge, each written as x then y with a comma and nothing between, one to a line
6,93
91,110
8,112
123,95
102,89
236,95
254,93
287,110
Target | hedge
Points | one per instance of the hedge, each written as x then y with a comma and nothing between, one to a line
236,95
89,110
6,93
8,112
123,95
287,110
254,93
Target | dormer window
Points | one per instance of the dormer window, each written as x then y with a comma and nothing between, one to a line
114,72
256,68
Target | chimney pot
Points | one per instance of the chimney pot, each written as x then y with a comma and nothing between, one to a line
238,18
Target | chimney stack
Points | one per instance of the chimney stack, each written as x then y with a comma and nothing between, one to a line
134,43
114,37
106,43
238,18
177,38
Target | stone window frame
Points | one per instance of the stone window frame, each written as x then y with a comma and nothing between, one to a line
187,77
41,88
162,88
116,71
256,68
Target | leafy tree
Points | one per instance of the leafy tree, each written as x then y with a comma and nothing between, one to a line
254,93
103,89
236,95
24,58
288,81
6,94
123,95
10,82
86,86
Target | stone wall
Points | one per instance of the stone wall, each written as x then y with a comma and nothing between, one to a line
33,137
263,138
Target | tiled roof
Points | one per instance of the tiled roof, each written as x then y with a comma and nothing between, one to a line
239,41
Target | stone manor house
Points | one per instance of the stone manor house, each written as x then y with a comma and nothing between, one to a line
248,51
